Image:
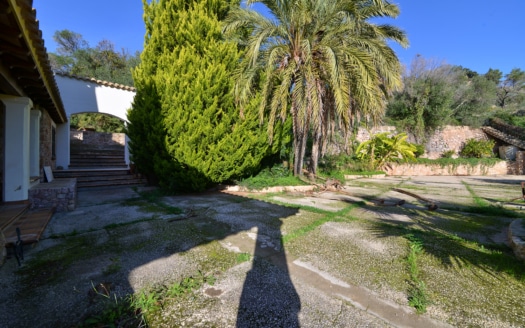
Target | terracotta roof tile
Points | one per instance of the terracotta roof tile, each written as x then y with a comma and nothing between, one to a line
99,82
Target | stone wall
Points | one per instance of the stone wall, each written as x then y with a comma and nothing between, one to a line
445,139
47,157
59,193
97,139
451,138
408,169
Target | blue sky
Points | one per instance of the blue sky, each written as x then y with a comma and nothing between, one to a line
477,34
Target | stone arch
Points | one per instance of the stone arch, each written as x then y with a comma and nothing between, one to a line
85,95
105,114
81,95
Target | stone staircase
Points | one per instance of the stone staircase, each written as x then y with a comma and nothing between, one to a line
99,168
82,157
507,133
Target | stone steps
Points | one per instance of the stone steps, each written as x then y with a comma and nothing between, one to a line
100,177
88,157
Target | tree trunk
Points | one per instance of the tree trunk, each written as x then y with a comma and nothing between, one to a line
316,146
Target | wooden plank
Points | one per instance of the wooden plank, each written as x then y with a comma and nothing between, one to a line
9,213
31,225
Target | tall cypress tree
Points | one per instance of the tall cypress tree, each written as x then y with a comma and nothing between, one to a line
184,127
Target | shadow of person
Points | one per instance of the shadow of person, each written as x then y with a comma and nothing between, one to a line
268,298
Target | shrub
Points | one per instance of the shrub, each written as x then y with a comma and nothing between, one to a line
420,150
477,148
381,149
448,154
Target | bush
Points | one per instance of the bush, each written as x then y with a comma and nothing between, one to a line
478,148
420,150
448,154
277,175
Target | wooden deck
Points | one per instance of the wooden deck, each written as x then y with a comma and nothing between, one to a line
9,213
31,225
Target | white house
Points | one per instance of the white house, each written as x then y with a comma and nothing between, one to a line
35,104
31,109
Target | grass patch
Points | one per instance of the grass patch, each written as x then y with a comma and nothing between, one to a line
485,208
454,162
242,257
271,177
150,202
51,265
338,216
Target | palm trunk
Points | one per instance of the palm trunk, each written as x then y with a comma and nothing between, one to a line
297,161
316,146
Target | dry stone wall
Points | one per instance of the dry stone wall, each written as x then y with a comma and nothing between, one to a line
444,139
451,138
97,139
60,193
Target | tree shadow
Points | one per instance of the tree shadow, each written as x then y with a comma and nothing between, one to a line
455,238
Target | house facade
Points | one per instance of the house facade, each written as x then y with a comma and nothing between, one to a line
32,114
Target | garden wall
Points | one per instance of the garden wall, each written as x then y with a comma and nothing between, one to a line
97,139
501,168
451,138
444,139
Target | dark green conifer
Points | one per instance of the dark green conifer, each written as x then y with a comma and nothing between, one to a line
184,127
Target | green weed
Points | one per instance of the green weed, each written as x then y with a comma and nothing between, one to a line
243,257
417,292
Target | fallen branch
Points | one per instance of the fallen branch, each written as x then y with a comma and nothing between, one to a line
432,206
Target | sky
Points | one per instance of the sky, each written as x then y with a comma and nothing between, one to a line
475,34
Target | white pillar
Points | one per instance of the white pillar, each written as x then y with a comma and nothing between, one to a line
62,145
34,147
16,165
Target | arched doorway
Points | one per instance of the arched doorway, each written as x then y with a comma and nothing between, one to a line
84,95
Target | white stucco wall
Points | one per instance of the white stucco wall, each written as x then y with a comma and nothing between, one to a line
80,96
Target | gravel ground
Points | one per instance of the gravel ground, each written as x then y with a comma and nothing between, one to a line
347,271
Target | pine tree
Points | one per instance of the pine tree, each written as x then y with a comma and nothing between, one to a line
184,126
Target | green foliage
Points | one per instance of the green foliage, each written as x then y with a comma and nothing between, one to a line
417,292
381,148
186,132
436,94
448,154
444,161
243,257
324,63
98,122
512,118
473,104
511,93
420,150
478,148
75,56
271,177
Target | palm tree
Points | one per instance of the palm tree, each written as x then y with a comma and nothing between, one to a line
321,61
